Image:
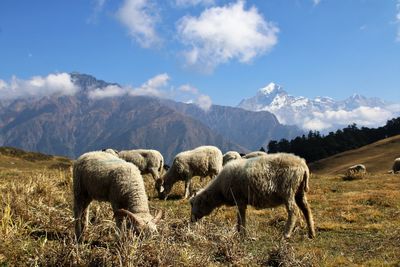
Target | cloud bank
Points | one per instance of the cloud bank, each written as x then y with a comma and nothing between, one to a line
221,34
157,86
362,116
140,18
37,86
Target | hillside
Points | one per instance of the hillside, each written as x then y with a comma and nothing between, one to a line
14,158
377,157
357,224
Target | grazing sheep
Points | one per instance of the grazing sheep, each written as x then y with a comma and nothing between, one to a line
396,166
356,169
263,182
254,154
101,176
111,151
230,155
147,160
202,161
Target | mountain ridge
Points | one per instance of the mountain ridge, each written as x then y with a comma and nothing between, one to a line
70,125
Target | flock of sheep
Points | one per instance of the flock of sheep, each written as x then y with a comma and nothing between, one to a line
258,179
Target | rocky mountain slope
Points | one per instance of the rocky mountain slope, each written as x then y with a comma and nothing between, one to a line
73,124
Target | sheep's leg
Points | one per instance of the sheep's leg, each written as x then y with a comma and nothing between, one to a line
291,210
80,215
302,203
188,188
154,174
241,219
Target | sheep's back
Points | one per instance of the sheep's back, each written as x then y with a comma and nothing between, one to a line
202,161
265,181
103,176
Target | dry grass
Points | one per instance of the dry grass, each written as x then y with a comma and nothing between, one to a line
377,157
358,223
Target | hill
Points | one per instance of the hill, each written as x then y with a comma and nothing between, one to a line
357,224
378,157
14,158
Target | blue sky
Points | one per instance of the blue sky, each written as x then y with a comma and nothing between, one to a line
224,50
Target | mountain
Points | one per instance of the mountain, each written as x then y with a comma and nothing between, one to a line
250,129
70,125
320,113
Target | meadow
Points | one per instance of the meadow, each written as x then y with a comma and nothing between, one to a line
357,223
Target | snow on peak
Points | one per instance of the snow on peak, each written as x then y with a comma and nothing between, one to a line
271,87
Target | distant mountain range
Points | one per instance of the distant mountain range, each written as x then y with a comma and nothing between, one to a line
321,113
70,125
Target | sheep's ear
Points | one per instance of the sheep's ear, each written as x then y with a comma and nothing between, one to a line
158,217
135,219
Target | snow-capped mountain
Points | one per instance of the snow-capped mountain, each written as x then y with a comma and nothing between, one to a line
321,113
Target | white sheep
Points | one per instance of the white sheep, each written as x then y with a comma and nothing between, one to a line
228,156
202,161
396,166
111,151
356,169
147,160
101,176
263,182
254,154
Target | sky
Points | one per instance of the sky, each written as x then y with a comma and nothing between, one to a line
218,51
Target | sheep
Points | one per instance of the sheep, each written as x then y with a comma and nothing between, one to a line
104,177
230,155
254,154
147,160
262,182
202,161
396,166
111,151
356,169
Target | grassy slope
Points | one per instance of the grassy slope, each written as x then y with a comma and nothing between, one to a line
357,222
377,157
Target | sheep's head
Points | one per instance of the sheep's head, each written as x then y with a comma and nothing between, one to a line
139,224
160,188
201,206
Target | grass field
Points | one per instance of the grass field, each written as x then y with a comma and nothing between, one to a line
357,223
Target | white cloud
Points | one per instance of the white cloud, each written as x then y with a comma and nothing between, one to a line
140,17
362,116
108,91
221,34
153,87
185,3
204,102
38,86
191,95
158,86
188,88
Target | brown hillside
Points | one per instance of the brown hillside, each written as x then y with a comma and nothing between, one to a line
377,157
14,158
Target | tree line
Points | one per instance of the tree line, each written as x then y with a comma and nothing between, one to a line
315,146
